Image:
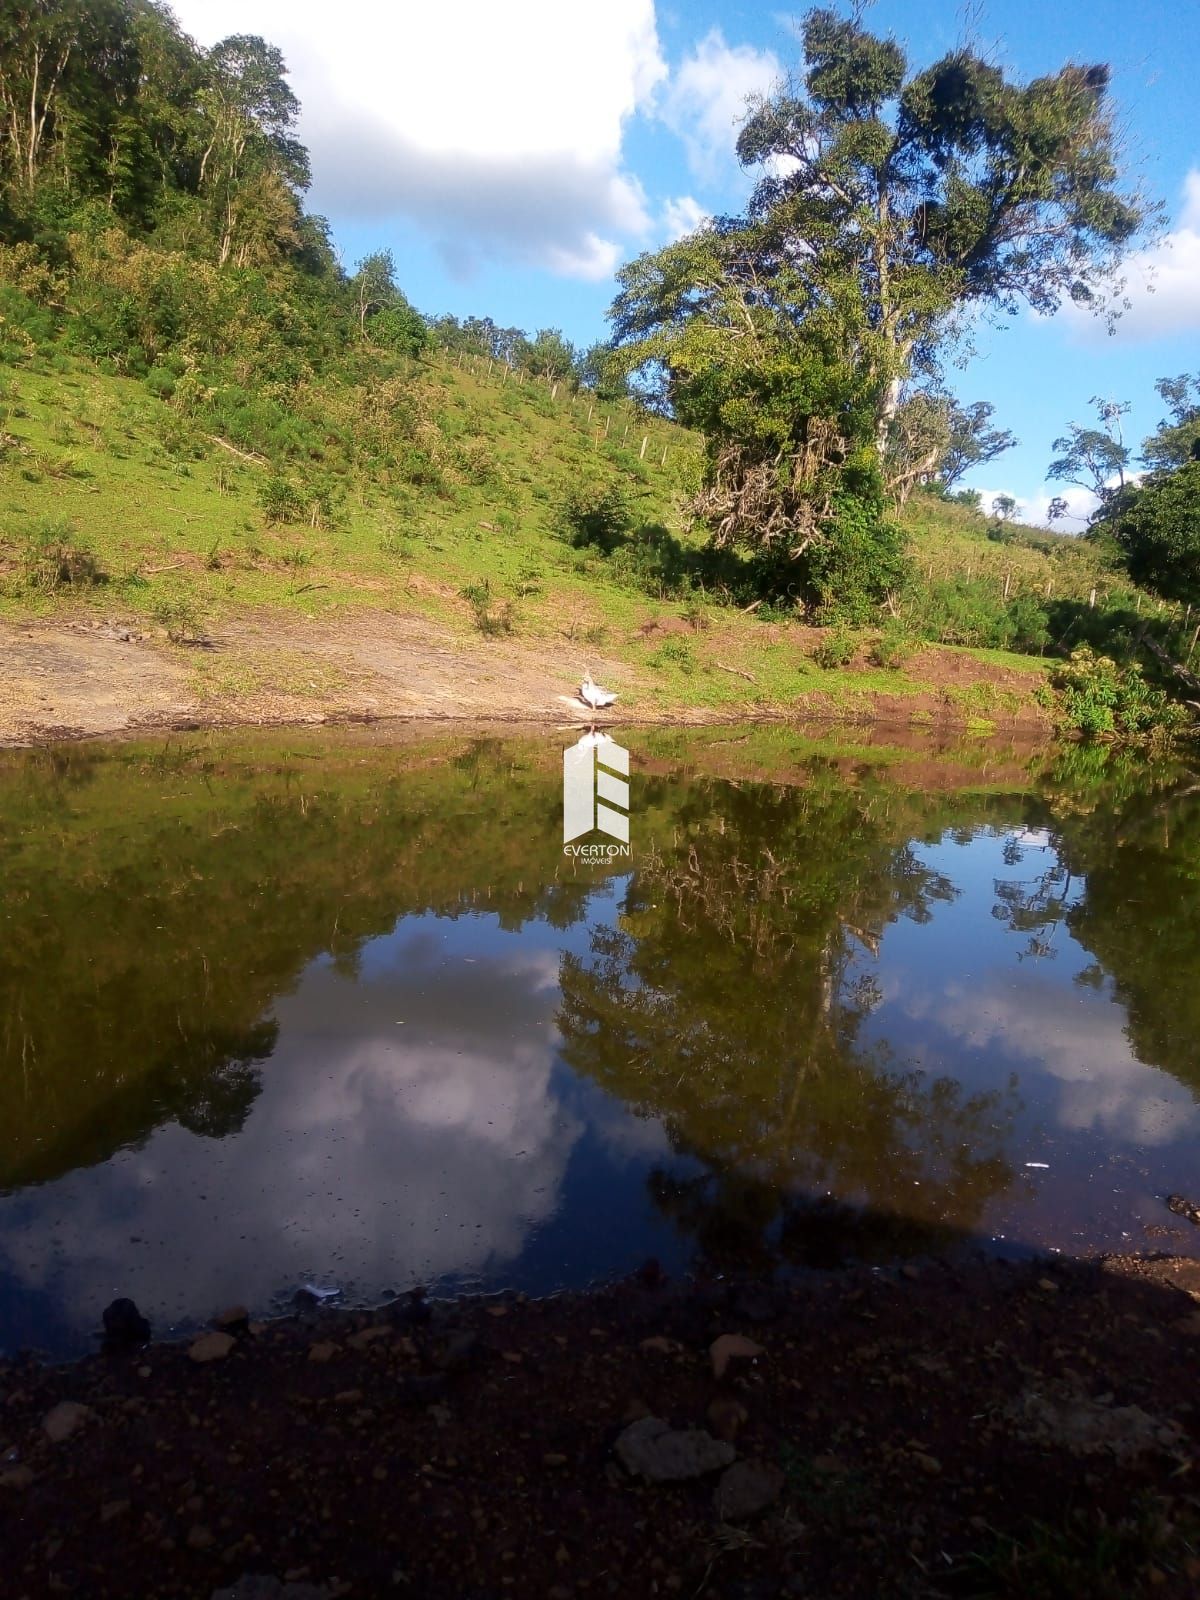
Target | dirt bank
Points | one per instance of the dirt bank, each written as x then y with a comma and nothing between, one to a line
941,1430
89,679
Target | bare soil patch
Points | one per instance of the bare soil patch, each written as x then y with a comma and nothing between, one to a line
934,1430
82,679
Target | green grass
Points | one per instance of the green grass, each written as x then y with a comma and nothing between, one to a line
185,516
950,544
185,532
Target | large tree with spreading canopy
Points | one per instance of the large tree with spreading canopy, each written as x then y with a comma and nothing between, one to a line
890,207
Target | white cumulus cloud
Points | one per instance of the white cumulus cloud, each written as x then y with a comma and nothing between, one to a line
705,101
1034,509
496,128
683,215
1161,283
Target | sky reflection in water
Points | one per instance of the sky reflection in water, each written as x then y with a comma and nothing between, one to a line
821,1018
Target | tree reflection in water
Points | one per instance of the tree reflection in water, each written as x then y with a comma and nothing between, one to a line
729,1003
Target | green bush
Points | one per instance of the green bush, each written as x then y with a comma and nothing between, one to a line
281,502
976,614
861,561
182,618
1099,697
594,513
161,382
52,557
892,649
493,617
674,653
836,648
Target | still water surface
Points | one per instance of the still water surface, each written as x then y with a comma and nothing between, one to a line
335,1010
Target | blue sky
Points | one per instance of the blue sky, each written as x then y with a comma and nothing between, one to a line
512,156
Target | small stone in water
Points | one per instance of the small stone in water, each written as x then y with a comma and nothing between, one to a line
211,1347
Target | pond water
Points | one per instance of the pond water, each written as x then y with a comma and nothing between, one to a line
336,1010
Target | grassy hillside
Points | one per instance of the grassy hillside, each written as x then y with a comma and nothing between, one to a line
122,503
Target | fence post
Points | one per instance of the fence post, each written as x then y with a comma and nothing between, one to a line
664,458
591,408
1092,601
1007,581
607,420
645,442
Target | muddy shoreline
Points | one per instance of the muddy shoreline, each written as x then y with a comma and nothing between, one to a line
70,681
969,1427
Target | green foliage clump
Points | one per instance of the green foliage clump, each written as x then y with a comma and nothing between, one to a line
284,502
494,617
976,614
837,648
281,502
594,512
860,563
893,647
676,653
53,557
181,617
1099,697
1157,529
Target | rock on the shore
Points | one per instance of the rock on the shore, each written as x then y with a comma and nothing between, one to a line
211,1347
64,1419
650,1448
732,1347
1083,1426
747,1489
124,1325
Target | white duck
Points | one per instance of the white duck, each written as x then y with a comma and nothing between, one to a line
593,696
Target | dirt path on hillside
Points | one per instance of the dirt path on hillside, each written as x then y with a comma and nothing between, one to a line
90,679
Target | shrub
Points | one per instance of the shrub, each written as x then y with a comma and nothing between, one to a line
161,382
977,614
892,648
859,564
836,648
674,653
493,617
594,513
53,558
1100,697
182,618
281,501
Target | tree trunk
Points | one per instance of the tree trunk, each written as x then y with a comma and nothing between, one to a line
889,406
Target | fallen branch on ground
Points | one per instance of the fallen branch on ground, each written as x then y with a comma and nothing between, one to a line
245,455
